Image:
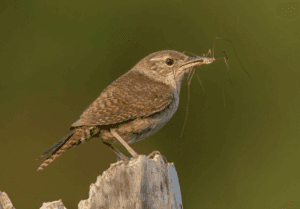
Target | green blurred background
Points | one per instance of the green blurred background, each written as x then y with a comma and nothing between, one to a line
57,56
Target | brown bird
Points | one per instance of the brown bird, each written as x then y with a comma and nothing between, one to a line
134,106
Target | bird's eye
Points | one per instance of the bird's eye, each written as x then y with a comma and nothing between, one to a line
169,62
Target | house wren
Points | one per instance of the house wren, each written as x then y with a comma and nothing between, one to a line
134,106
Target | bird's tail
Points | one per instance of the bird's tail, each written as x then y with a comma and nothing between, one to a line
56,145
76,137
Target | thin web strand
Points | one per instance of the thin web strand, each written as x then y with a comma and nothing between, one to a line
200,83
190,75
224,91
190,53
236,55
227,75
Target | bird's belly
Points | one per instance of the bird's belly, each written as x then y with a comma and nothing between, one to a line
154,123
140,128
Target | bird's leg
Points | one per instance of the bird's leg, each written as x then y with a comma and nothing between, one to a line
153,153
115,150
129,149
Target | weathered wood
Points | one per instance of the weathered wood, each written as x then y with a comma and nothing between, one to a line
5,202
141,183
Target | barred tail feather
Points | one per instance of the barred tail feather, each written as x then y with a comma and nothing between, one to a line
56,145
76,137
60,147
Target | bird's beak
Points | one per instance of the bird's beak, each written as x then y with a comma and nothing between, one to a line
192,62
193,58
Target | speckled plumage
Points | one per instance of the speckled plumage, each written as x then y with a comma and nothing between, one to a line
131,96
136,105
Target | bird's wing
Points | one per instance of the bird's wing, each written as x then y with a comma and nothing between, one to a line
131,96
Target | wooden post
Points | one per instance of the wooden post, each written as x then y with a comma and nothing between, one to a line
141,183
